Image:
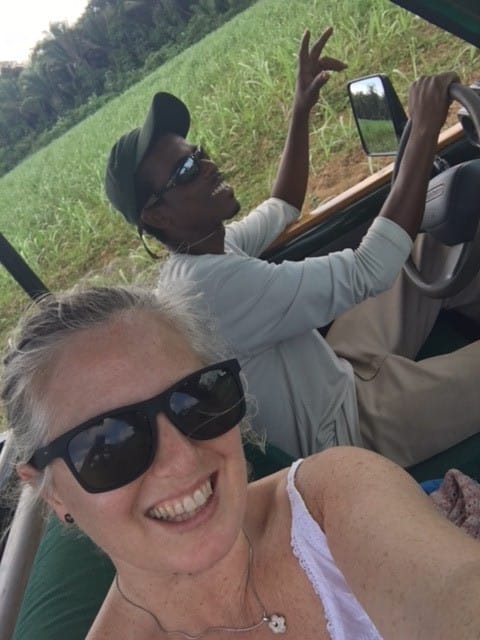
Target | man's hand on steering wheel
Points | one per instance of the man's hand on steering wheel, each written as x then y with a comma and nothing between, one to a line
451,213
428,103
428,92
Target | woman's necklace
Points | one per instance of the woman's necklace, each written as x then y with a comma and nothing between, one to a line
275,622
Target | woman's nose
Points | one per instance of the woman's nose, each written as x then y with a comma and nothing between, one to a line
174,450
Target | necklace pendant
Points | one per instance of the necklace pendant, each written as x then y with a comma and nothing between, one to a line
277,623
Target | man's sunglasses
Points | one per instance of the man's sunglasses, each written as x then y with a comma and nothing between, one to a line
118,446
187,169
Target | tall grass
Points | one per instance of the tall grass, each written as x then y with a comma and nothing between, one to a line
238,84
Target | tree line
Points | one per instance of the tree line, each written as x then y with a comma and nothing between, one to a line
75,70
371,106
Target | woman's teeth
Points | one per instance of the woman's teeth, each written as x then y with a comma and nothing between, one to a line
184,508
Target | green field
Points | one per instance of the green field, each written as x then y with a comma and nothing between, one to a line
238,84
378,134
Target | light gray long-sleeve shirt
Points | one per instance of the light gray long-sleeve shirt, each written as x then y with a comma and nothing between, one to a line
269,313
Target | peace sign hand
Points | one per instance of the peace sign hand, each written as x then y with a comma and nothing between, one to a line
313,69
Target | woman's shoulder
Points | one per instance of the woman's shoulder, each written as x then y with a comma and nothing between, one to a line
341,465
308,475
342,472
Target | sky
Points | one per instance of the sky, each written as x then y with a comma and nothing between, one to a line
22,23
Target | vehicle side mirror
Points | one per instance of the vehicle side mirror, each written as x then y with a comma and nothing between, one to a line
378,113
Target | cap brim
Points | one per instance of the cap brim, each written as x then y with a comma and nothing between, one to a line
167,114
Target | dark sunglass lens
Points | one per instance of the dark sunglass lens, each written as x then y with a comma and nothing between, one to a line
207,405
112,453
189,169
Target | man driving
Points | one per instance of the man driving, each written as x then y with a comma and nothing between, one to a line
360,385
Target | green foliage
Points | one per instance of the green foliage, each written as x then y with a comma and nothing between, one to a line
238,82
113,45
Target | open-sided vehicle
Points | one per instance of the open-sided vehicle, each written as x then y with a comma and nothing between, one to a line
69,577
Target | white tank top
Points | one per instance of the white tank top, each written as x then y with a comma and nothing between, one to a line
346,619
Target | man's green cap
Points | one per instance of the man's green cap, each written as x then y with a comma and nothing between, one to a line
167,114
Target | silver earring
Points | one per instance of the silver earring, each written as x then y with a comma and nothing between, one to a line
68,518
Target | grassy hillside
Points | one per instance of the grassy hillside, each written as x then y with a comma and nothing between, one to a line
238,84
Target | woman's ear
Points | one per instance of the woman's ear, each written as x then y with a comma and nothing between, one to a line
29,475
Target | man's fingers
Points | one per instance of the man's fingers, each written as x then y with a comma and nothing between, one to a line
320,80
303,51
435,83
321,42
331,64
449,76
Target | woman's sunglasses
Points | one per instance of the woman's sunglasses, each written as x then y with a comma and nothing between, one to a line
187,170
118,446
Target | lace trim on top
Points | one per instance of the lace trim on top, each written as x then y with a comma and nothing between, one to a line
345,617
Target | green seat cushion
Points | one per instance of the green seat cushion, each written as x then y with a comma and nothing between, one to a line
68,582
464,456
265,463
450,332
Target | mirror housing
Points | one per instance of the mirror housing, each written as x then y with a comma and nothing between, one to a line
378,113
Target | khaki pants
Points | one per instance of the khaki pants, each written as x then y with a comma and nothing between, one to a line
409,410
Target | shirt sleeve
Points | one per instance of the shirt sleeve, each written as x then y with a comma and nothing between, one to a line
258,304
254,233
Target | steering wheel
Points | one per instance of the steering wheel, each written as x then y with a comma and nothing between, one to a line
452,210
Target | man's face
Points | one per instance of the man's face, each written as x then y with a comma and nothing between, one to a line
188,208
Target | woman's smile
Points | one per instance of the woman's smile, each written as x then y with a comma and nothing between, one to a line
184,507
190,510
